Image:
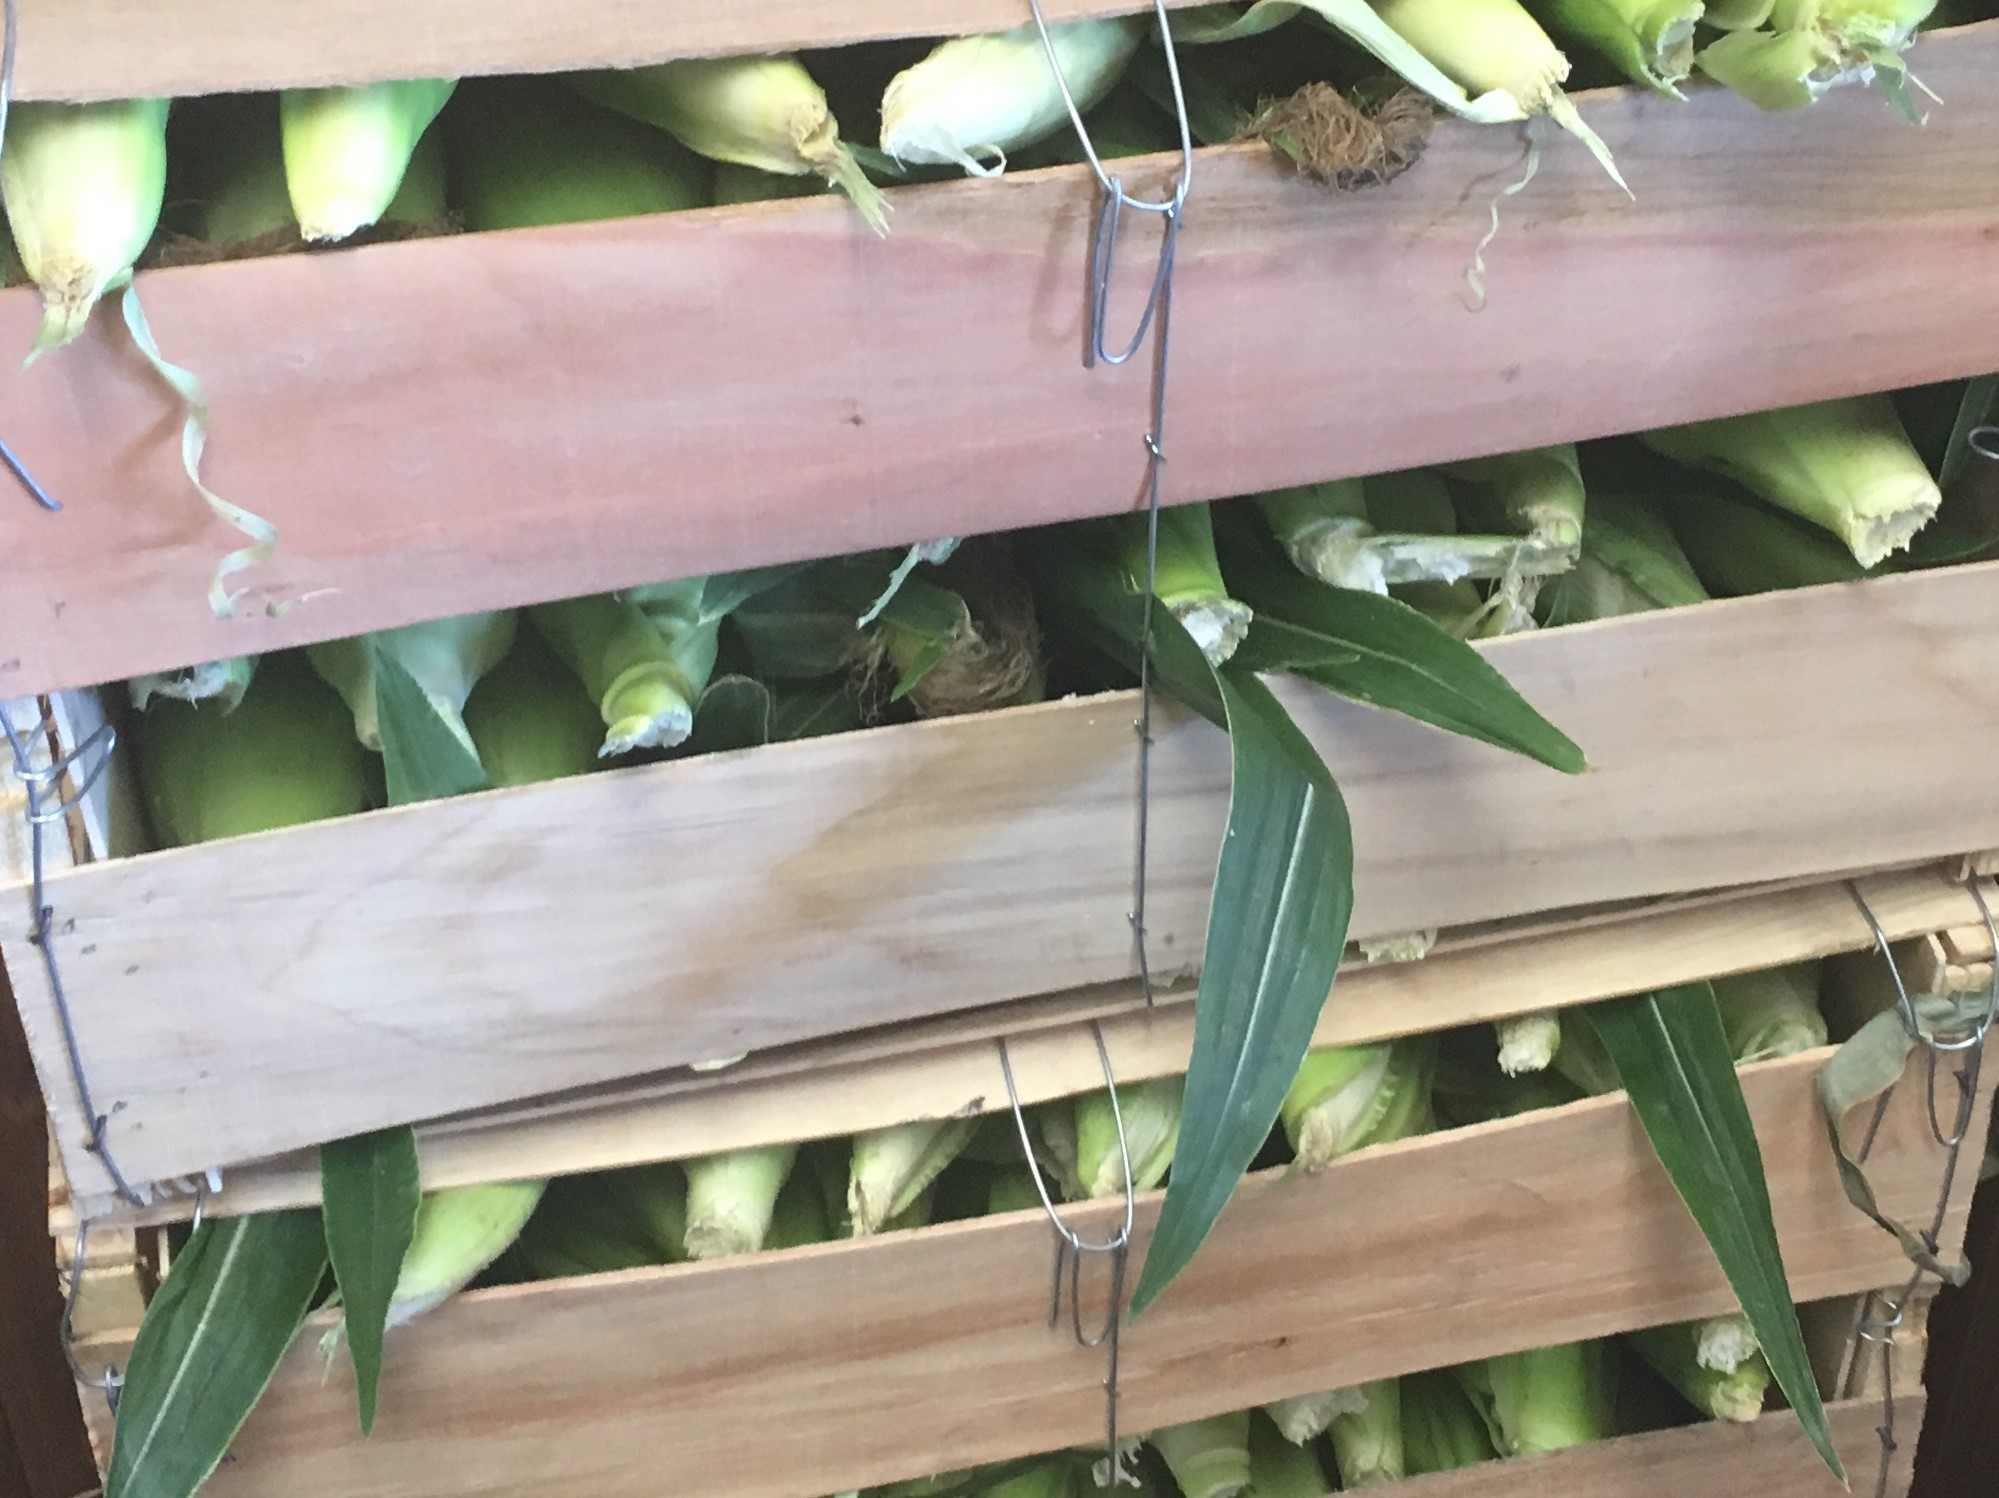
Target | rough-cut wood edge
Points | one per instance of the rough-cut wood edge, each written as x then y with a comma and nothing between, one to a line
1549,1227
950,1068
112,49
543,444
957,863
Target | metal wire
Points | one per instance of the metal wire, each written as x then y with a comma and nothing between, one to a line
1071,1247
112,1381
1983,440
1156,313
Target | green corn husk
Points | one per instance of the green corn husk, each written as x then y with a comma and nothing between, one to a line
606,1222
1845,465
458,1233
892,1167
1528,1043
1367,1442
1054,1126
991,95
1306,1417
1731,1391
1488,46
1546,1399
1812,46
732,1197
1151,1114
1651,41
1584,1061
1537,491
1012,1189
527,153
1188,579
285,756
223,681
1772,1013
1208,1458
347,149
82,185
1631,563
644,688
761,112
800,1215
1347,1097
1472,1087
446,658
1739,547
1279,1469
530,719
1442,1429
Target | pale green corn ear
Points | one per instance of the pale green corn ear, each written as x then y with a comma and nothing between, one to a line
1208,1458
1771,1013
1441,1429
643,691
224,681
1280,1469
1188,579
286,755
1652,41
1306,1417
1546,1399
1347,1097
762,112
528,152
530,719
731,1198
1845,465
1776,70
348,148
82,185
1528,1042
1367,1442
1151,1114
892,1167
1716,1387
458,1233
976,99
446,658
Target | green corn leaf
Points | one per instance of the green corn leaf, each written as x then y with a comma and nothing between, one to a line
1674,1060
1378,651
423,757
369,1196
211,1340
734,713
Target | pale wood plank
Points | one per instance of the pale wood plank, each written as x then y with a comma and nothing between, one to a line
866,879
541,444
950,1068
1544,1228
93,49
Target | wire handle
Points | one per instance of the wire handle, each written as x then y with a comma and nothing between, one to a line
1071,1248
1879,1326
1156,314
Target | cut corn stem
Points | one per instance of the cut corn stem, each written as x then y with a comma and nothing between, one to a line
1208,1458
1529,1042
1188,578
1652,41
1151,1114
1347,1097
1306,1417
1771,1013
1731,1393
1367,1442
224,681
892,1167
642,690
731,1198
347,149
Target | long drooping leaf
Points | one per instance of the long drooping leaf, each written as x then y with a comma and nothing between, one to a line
1675,1062
369,1197
1378,651
211,1339
423,758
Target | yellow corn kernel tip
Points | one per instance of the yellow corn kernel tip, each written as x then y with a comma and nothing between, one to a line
974,99
762,112
348,149
82,184
1483,45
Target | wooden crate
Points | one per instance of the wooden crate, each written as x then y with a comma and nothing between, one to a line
1550,1227
929,383
873,878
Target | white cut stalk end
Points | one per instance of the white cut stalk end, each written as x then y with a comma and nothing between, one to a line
1725,1343
1217,626
1528,1043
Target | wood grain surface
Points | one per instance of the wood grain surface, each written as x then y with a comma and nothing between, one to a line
491,419
898,1356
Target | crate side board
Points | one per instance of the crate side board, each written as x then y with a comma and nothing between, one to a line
863,880
950,1067
1544,1228
930,383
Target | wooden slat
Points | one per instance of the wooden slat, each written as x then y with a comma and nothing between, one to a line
911,1353
1770,1459
227,996
93,49
844,1087
751,384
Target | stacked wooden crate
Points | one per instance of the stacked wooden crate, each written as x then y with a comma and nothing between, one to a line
872,912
